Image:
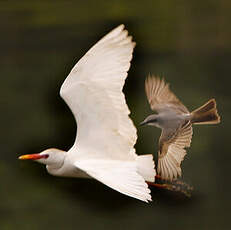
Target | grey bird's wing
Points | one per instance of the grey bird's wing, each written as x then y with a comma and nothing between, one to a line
161,98
172,152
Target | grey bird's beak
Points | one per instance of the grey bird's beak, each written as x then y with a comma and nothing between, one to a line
143,123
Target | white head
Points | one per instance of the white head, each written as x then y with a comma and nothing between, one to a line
51,157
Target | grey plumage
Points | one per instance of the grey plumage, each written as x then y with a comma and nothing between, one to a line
176,123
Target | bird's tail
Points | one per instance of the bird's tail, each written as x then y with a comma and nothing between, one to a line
146,167
206,114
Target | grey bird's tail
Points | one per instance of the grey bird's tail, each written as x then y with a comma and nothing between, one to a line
206,114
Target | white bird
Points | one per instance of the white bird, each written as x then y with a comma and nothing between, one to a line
104,145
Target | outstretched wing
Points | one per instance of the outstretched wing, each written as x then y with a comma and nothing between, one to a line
172,152
160,96
93,91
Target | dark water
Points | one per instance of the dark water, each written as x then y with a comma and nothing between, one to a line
40,41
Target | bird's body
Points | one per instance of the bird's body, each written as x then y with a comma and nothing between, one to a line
104,145
171,119
176,122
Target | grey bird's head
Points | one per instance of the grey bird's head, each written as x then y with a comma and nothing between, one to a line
151,120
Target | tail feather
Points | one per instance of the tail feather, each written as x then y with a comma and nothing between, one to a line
146,167
206,114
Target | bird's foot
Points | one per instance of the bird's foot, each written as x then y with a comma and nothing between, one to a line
164,186
175,185
158,177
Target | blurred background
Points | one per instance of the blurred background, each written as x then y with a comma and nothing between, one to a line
187,42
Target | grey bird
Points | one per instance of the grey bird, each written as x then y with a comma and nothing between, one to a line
176,121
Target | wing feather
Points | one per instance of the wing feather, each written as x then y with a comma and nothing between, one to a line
172,152
119,175
93,91
160,97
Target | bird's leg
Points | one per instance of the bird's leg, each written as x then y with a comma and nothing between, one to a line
158,177
164,186
174,185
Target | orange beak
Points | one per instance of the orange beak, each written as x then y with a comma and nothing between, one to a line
35,156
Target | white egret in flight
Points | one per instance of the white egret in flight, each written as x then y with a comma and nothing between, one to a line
104,145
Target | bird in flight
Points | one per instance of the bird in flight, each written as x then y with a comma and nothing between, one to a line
104,145
176,123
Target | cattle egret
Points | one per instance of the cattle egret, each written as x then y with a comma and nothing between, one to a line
104,145
176,123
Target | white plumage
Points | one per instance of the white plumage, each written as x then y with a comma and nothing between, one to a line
93,91
104,145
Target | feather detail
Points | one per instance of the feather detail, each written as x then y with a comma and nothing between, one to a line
119,175
93,91
160,97
172,152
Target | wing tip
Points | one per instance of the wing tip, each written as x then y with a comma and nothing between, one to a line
122,26
121,176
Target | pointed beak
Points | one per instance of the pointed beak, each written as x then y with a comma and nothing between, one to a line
35,156
143,123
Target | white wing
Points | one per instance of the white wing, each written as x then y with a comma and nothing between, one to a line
93,91
105,134
119,175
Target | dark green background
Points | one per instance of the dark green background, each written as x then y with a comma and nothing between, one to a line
188,42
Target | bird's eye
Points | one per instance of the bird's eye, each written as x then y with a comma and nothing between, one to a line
45,156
